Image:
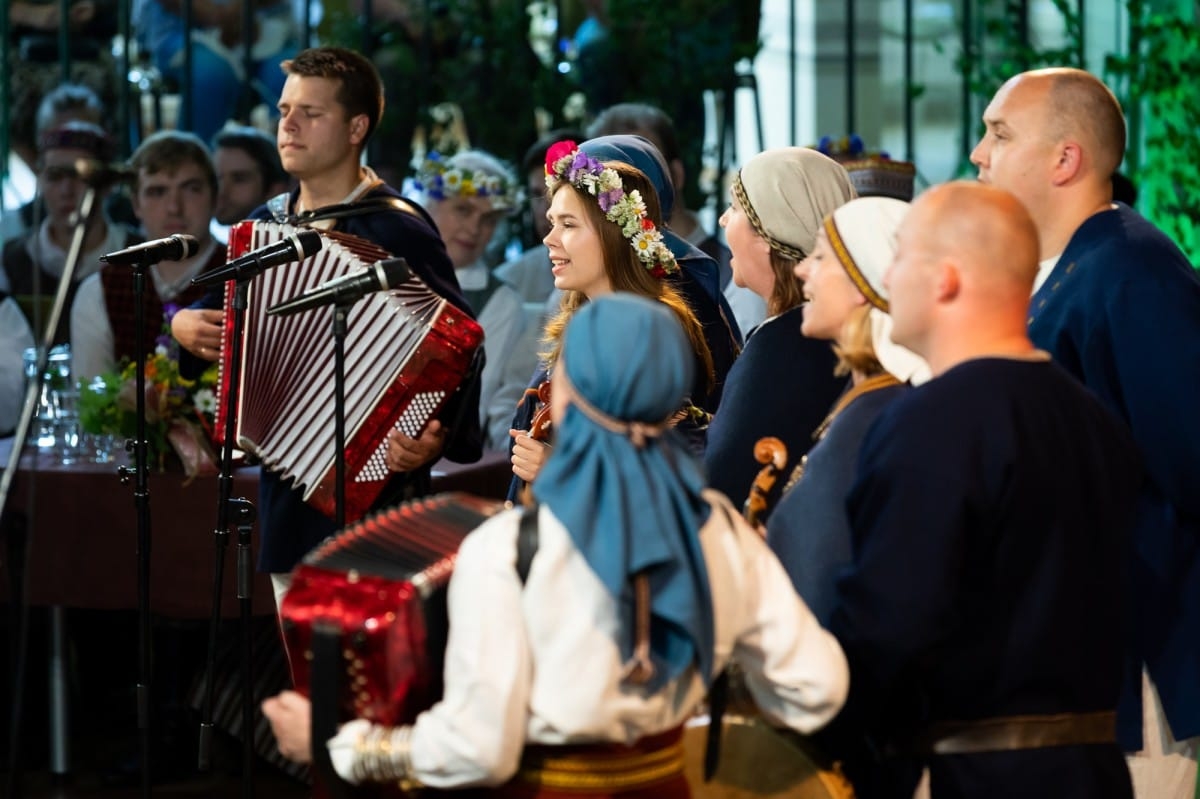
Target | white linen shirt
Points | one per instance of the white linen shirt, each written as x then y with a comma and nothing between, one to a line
92,337
15,338
539,663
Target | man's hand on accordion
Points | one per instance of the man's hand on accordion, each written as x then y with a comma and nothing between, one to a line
199,331
360,752
290,715
405,454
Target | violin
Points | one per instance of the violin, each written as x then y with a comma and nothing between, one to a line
539,430
772,452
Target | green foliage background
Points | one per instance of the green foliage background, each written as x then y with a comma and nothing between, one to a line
1155,82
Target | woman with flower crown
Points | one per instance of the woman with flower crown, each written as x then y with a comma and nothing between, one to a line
468,195
605,238
570,673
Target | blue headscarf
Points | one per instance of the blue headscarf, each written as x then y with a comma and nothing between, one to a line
633,505
641,153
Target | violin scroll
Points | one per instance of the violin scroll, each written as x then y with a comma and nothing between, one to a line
772,452
539,427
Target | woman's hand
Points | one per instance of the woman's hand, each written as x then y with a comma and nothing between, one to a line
405,454
528,455
199,332
290,715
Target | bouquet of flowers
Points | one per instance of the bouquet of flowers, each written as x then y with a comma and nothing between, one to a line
179,412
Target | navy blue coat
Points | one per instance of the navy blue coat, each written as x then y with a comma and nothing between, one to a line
808,529
1121,312
782,385
990,518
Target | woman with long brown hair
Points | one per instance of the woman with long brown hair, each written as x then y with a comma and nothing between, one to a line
605,237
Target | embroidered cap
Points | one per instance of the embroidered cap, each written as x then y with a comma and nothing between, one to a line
862,234
874,174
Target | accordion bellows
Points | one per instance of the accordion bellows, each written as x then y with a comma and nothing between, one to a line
406,352
380,587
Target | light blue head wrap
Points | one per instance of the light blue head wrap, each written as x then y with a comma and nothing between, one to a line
632,502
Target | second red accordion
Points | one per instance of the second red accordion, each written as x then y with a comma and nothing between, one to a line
379,588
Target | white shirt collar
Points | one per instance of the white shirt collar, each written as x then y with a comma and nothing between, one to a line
474,276
1044,269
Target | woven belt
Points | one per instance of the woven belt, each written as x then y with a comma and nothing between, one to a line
603,767
1017,732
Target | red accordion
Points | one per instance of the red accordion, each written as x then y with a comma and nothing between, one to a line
407,350
379,589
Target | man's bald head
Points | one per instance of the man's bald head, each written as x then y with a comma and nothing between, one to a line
1078,106
984,230
965,261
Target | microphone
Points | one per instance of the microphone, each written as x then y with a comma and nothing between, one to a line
379,276
98,173
172,248
296,247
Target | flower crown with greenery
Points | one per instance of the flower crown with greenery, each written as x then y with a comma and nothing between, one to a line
566,162
439,180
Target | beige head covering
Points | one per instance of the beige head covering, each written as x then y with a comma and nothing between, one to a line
787,191
862,233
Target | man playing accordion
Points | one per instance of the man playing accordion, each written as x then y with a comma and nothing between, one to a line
331,103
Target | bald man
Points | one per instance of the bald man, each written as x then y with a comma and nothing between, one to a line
990,517
1118,306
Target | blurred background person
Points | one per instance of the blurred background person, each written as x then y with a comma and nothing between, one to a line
249,173
34,261
174,192
218,71
15,338
34,69
468,195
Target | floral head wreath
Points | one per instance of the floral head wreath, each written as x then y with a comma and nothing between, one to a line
566,162
436,178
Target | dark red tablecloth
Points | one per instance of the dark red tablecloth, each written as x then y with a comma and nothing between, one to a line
82,535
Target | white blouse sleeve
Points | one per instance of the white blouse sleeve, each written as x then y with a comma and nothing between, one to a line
91,332
795,669
475,734
15,338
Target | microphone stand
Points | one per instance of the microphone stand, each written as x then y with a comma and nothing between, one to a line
243,512
84,216
141,501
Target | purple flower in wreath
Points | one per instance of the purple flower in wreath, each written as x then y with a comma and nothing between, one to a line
608,199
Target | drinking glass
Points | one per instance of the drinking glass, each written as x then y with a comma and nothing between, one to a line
57,376
67,431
